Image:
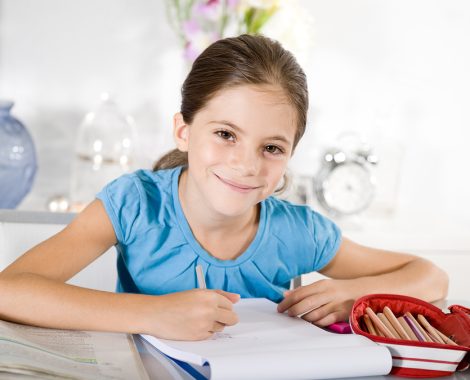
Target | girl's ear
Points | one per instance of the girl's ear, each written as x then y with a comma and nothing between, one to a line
180,132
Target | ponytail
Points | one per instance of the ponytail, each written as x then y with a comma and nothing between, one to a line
172,159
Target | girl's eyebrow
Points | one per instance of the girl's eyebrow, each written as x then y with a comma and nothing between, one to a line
238,129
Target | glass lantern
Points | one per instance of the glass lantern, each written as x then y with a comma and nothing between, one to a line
104,150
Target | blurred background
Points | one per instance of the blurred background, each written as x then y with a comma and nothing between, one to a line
392,73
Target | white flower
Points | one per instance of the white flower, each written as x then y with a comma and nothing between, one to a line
293,27
263,4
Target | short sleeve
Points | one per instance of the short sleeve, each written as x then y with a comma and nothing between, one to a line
327,239
121,199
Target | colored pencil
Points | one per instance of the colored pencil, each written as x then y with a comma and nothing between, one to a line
417,325
429,328
378,323
445,338
369,325
387,323
414,328
394,322
407,328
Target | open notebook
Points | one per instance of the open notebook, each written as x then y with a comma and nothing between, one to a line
268,345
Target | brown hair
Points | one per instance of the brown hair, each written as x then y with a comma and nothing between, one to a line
242,60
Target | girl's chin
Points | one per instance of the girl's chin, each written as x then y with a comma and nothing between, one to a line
232,209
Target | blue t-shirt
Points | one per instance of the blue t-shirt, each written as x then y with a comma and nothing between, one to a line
158,253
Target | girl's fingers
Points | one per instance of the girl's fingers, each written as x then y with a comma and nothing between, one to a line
232,297
332,317
226,317
319,313
291,298
217,327
302,302
295,296
223,299
309,304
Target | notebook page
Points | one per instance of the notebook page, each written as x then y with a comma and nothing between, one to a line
266,340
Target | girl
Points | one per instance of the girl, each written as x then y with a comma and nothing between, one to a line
209,202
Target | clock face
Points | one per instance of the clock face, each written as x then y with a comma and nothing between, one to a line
348,188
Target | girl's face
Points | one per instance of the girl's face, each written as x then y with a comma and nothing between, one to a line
238,146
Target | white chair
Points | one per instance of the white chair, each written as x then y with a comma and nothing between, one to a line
21,230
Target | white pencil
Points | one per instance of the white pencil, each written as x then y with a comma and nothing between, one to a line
200,277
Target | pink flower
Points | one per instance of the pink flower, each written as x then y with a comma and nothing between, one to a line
197,42
209,10
232,4
190,52
190,28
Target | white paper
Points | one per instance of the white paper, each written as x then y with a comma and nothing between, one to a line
68,354
268,345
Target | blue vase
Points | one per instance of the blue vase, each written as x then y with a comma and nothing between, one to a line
17,159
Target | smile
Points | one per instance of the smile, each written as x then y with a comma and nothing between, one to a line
236,186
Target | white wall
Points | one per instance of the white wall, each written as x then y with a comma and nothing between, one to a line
388,69
400,69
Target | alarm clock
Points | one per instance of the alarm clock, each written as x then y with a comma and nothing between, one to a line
345,184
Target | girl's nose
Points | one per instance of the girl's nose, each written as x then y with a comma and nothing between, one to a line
244,161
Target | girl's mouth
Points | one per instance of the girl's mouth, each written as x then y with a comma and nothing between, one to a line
236,186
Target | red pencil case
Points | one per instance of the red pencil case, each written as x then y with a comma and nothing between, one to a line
414,358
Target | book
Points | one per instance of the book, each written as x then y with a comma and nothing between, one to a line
268,345
27,351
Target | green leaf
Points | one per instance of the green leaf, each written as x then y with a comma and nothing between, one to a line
258,18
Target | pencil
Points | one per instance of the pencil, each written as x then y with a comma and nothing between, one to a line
407,328
378,323
415,329
369,325
386,322
429,328
418,326
200,277
433,339
445,338
394,322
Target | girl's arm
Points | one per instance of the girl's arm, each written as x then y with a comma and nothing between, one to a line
357,270
33,290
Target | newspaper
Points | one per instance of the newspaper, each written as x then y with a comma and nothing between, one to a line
67,354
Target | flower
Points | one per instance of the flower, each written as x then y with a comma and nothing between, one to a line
294,27
202,22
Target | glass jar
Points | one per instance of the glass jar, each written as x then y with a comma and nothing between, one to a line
104,151
18,164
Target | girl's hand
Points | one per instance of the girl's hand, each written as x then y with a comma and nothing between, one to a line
324,302
192,315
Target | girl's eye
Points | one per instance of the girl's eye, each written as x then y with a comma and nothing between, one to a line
273,149
226,135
